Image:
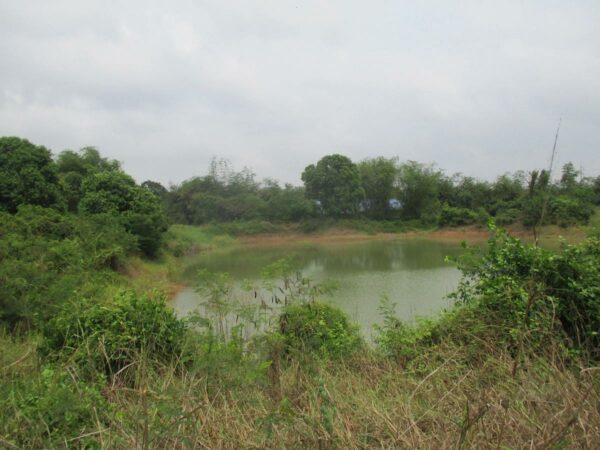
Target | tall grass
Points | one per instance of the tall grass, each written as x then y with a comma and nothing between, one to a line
443,399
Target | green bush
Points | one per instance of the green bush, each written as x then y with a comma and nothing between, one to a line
320,328
507,216
566,211
455,217
111,336
400,340
138,210
524,289
47,257
52,410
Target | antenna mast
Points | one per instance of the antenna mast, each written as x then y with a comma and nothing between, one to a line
545,204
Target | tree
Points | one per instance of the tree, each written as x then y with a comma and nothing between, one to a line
140,210
335,183
568,179
377,177
74,167
156,188
419,186
27,175
285,204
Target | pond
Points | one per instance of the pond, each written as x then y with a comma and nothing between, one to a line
412,273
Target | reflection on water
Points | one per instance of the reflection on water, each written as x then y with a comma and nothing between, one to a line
412,273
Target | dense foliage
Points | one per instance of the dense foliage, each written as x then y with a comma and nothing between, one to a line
528,289
334,182
111,336
318,327
85,363
224,195
28,175
383,190
48,255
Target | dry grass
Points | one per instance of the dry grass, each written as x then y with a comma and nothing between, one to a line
448,397
441,401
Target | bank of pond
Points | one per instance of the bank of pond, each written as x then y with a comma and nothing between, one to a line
414,274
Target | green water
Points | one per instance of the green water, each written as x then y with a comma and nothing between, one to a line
411,273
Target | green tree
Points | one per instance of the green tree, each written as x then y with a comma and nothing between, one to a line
140,210
419,186
334,182
27,175
74,167
377,177
568,179
285,204
156,188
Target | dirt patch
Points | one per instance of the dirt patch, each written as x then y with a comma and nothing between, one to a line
468,234
173,289
341,235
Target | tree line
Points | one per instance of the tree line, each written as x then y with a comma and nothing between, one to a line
379,188
382,189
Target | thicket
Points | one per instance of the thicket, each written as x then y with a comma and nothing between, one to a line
381,190
517,296
511,363
66,227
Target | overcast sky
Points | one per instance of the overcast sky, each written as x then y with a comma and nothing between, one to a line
476,87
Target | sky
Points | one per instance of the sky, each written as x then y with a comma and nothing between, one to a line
476,87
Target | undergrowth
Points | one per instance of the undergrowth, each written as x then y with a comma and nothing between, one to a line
511,365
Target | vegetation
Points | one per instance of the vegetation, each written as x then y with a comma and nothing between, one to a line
335,184
87,361
409,194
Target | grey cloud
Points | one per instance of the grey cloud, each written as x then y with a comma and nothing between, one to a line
476,87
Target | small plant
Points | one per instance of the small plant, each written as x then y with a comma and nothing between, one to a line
109,336
320,328
398,339
52,410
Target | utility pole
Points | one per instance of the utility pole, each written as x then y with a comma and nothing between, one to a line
545,204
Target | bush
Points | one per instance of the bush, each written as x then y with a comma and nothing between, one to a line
51,410
138,210
522,288
566,211
507,216
455,217
46,256
320,328
110,336
400,340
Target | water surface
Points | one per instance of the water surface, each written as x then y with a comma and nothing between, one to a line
412,273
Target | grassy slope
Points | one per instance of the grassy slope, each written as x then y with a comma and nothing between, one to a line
451,396
448,397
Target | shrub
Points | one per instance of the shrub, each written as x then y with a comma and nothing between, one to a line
400,340
523,288
320,328
507,216
110,336
566,211
455,217
52,409
46,257
139,210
